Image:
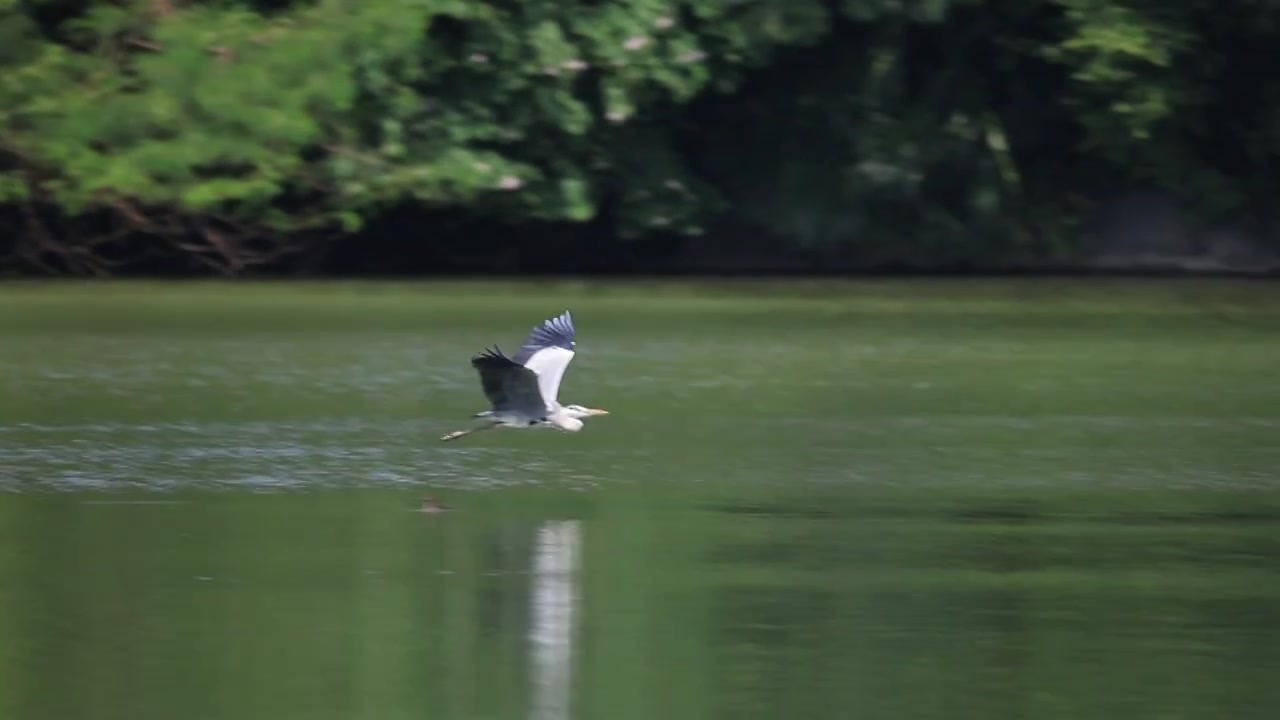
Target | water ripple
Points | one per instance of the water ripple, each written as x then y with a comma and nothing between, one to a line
324,453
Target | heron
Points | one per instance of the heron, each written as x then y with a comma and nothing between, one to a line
523,389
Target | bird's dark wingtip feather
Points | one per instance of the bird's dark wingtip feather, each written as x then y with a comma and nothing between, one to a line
489,356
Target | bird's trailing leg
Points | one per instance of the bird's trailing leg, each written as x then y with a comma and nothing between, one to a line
459,433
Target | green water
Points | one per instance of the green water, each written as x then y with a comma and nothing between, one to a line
876,500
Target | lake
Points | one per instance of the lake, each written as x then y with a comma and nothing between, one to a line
1030,499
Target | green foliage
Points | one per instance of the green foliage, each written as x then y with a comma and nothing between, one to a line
866,154
904,128
1122,60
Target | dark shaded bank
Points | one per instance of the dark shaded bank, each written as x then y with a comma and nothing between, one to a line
1128,239
419,247
1135,235
554,257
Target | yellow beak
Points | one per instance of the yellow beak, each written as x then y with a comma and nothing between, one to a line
597,411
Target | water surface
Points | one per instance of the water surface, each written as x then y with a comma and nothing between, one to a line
882,500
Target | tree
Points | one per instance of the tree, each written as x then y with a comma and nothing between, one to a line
246,132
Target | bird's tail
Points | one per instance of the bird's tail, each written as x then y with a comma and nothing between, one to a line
483,413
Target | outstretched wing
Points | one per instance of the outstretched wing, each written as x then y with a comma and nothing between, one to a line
547,351
509,385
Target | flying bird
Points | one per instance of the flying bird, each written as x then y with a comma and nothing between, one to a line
522,389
